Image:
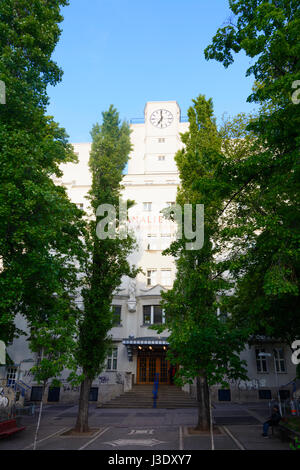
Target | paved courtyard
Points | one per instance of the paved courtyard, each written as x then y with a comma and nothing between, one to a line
239,427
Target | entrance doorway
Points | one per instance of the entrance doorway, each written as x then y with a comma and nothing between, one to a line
150,363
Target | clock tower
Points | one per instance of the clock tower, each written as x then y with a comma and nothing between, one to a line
157,140
162,117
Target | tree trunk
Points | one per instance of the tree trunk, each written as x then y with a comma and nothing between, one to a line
82,423
203,404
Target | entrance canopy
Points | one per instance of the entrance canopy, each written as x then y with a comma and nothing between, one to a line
132,344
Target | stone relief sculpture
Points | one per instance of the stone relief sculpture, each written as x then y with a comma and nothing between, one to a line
132,295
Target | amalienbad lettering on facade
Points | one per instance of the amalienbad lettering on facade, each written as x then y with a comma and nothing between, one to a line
112,227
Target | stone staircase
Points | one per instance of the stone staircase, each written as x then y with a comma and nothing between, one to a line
140,396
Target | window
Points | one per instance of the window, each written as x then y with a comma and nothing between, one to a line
147,206
112,360
261,361
224,395
157,314
36,393
53,394
264,394
117,315
161,140
165,241
11,375
80,205
151,277
284,394
166,277
153,315
161,158
279,360
147,314
151,242
170,203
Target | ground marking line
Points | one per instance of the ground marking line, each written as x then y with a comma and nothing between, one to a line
94,438
45,438
180,438
238,443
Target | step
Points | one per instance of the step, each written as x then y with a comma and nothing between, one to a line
141,396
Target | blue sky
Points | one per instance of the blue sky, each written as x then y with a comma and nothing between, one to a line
128,52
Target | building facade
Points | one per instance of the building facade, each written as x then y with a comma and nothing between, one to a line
139,352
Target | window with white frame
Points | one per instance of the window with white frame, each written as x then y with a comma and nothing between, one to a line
261,361
11,375
165,240
147,206
161,140
151,277
161,158
279,360
153,315
151,242
166,277
112,360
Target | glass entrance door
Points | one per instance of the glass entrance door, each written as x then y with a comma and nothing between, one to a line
150,364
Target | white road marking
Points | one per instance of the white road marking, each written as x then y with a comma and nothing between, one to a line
141,431
48,437
238,443
94,438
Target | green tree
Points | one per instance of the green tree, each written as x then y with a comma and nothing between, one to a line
204,345
264,184
108,262
40,229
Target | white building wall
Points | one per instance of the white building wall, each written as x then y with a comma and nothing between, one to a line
152,177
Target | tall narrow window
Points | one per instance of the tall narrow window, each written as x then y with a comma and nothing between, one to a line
151,277
151,242
261,361
166,277
117,315
147,315
11,375
112,360
279,360
157,314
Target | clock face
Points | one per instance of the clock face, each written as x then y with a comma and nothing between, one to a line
161,118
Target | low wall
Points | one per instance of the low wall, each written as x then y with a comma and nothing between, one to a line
108,391
239,395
